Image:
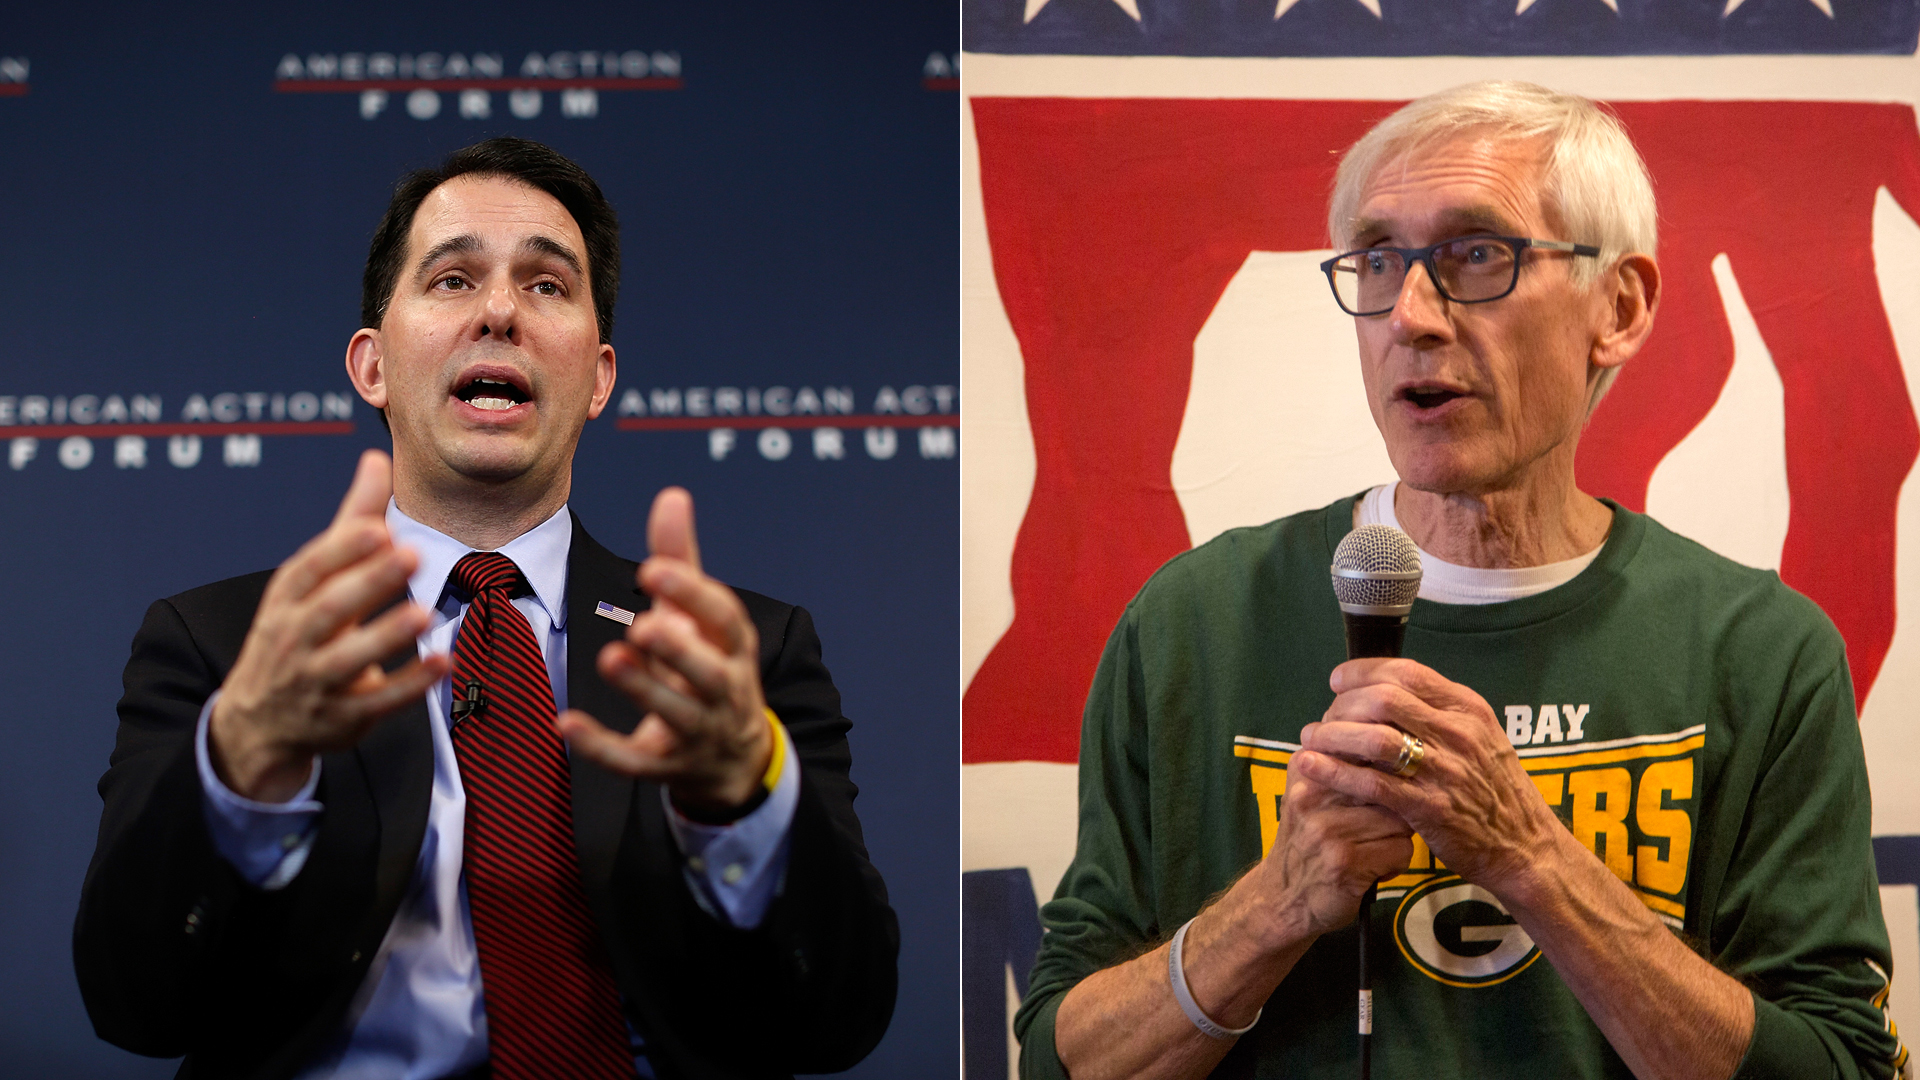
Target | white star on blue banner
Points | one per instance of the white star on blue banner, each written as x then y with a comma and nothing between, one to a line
1440,27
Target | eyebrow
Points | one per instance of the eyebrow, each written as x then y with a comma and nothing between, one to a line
454,245
546,245
467,243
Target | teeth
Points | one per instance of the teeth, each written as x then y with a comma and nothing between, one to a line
493,395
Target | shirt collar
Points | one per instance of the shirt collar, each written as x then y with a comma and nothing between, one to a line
540,553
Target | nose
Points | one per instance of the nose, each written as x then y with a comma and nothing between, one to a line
500,313
1420,313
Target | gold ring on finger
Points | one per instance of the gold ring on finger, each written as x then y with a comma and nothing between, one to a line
1412,752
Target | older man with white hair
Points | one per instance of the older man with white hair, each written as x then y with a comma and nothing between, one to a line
1607,746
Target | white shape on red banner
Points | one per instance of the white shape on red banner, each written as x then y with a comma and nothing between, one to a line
1276,419
1725,484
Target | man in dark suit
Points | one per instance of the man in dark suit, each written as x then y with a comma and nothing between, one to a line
343,835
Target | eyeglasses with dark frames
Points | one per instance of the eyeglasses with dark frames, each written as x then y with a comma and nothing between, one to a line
1465,270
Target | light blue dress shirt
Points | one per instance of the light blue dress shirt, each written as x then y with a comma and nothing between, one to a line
421,1014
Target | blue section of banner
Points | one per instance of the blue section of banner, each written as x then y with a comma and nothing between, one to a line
183,233
1441,28
1897,859
1000,932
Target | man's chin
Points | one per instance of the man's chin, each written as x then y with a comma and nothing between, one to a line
492,463
491,472
478,460
1439,470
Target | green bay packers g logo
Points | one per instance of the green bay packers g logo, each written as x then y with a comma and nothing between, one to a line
1459,934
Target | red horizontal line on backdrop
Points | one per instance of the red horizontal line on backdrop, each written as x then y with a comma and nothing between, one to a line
13,89
341,86
942,84
289,427
695,423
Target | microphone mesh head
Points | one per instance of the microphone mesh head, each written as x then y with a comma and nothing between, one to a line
1377,560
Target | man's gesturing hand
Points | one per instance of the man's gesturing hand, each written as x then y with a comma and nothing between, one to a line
1470,800
308,677
691,663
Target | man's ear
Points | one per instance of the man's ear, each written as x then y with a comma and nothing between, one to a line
1632,294
603,376
366,367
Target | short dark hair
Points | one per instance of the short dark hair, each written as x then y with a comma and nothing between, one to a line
529,162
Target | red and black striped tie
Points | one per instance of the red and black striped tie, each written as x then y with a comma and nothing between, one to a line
552,1007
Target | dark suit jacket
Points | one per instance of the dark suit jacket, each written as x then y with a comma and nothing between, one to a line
177,954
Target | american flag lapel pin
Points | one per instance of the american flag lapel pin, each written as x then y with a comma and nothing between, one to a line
617,614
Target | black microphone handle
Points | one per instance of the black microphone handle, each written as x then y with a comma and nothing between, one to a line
1374,635
1369,636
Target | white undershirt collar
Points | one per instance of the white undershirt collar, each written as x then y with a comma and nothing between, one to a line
1450,583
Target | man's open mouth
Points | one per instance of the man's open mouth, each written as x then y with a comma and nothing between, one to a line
491,394
1429,397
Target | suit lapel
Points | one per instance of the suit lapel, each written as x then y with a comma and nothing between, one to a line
601,799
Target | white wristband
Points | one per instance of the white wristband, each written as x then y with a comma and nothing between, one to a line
1177,975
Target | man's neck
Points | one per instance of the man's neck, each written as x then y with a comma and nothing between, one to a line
482,516
1526,525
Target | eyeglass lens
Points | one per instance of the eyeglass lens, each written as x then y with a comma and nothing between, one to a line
1466,270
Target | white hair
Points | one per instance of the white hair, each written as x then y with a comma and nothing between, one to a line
1594,183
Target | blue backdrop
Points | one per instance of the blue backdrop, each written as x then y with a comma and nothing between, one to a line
185,204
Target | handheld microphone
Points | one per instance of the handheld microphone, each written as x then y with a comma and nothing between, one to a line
1376,576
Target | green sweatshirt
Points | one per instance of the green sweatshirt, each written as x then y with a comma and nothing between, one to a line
1689,719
